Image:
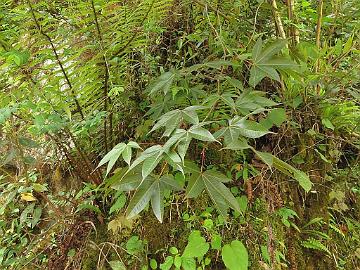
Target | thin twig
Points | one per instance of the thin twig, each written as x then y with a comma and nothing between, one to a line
318,38
106,78
57,59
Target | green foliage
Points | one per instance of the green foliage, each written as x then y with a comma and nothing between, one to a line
265,63
194,113
235,256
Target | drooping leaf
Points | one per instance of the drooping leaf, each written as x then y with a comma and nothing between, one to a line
151,189
141,198
112,157
272,161
212,182
195,185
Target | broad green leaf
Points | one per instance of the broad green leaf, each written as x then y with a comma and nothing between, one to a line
157,201
117,265
188,263
219,194
141,198
201,134
195,185
153,264
168,182
119,203
164,83
169,260
303,179
235,256
177,261
126,154
216,241
277,116
196,247
150,163
270,50
251,129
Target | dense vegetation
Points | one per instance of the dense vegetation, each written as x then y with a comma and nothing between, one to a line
179,134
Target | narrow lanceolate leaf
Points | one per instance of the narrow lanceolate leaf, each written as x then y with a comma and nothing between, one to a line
201,134
183,147
112,157
168,182
189,114
212,181
265,62
216,176
126,154
195,185
128,182
303,179
272,161
140,199
116,151
257,49
150,164
157,201
151,151
164,83
238,144
269,72
219,193
251,129
149,189
134,145
270,50
256,75
281,62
